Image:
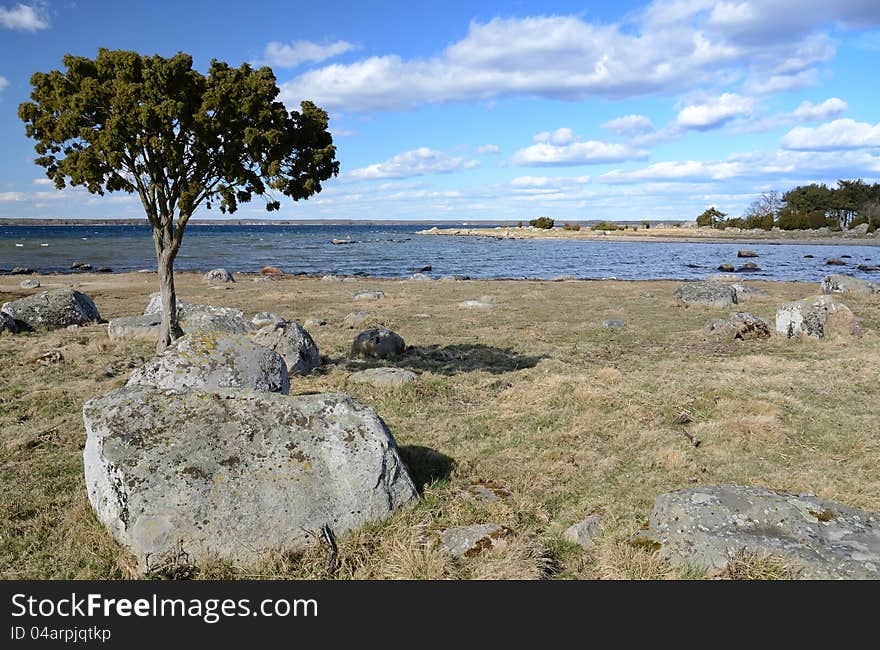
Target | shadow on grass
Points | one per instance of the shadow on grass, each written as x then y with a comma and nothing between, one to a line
453,359
426,465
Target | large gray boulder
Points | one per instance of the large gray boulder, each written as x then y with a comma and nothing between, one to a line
227,323
840,283
7,323
236,473
378,343
53,309
707,526
293,343
816,317
126,328
218,275
710,293
210,361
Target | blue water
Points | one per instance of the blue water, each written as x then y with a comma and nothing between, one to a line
395,251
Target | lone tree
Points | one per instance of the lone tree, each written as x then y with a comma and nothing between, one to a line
180,139
711,217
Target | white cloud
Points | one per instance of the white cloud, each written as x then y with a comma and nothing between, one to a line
630,125
488,148
417,162
809,112
714,112
563,147
671,46
27,18
13,196
837,135
290,55
43,181
530,182
4,82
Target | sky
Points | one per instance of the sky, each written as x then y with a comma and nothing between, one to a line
503,110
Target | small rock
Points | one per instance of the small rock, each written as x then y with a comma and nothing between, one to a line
476,304
266,319
839,283
21,270
584,532
613,324
746,253
868,267
331,278
369,295
378,344
355,319
726,268
720,329
484,492
835,262
749,327
81,266
710,293
293,343
423,269
30,283
314,322
748,267
218,275
349,279
384,377
419,277
103,269
468,541
50,358
745,292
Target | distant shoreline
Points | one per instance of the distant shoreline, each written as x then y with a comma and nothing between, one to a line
664,235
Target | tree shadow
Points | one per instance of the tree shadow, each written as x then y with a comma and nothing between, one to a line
453,359
426,465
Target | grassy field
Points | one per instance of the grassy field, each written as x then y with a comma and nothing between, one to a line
536,396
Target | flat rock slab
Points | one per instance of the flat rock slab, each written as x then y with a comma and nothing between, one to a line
210,361
144,327
468,541
237,473
266,319
840,283
184,308
584,532
816,317
745,292
613,324
709,293
356,319
293,343
708,526
53,309
476,304
369,295
384,377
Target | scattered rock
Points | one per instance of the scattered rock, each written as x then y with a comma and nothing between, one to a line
468,541
835,262
218,275
746,253
749,327
30,283
8,324
476,304
378,344
748,267
613,324
423,269
420,277
293,343
868,267
839,283
709,526
584,532
726,268
266,319
816,317
331,278
21,270
81,266
713,294
809,257
720,329
314,322
745,292
210,362
369,295
355,319
235,474
53,309
484,492
145,327
384,377
103,269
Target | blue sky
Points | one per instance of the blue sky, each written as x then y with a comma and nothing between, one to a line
505,110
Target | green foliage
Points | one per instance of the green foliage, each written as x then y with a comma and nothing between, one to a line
607,225
646,224
544,223
180,139
572,226
711,217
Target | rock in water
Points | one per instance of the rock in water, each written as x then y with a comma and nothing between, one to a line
236,473
53,309
816,317
210,361
713,294
378,344
840,283
218,275
746,253
708,526
293,343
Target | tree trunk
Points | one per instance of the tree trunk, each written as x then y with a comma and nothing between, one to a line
169,330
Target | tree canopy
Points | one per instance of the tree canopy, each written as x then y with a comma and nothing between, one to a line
178,138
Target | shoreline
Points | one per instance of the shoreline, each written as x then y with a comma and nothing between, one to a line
668,236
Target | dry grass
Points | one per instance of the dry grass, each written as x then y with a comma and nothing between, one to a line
535,395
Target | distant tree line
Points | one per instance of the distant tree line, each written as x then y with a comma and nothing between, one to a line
807,207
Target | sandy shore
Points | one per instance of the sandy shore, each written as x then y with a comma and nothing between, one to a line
664,234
